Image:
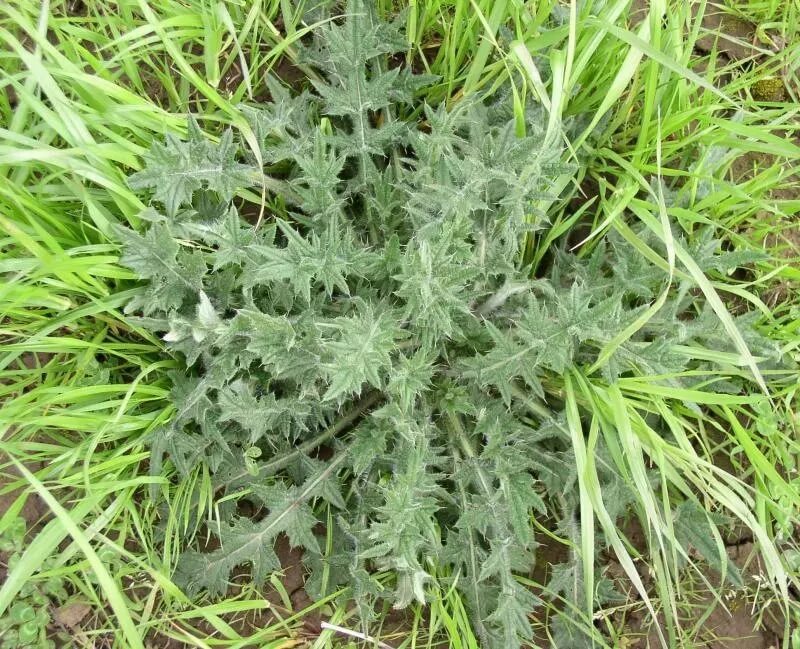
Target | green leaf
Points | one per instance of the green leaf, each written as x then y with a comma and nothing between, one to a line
324,259
360,353
521,498
368,444
411,376
256,416
243,542
174,274
695,529
510,618
175,170
248,542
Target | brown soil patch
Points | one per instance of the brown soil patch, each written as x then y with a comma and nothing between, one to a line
730,622
728,35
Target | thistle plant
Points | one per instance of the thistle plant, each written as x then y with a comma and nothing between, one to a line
372,352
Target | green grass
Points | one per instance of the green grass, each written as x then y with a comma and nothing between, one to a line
84,93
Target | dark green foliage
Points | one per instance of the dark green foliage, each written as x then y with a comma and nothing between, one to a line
377,347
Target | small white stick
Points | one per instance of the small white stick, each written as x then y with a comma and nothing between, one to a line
355,634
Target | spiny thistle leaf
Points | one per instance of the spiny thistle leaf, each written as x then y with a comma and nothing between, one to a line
176,169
